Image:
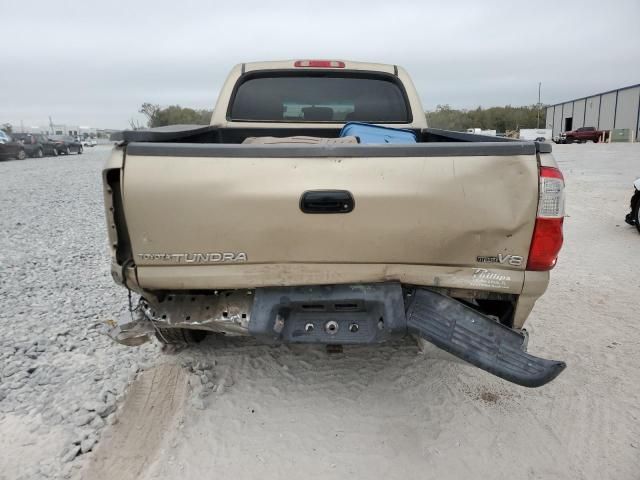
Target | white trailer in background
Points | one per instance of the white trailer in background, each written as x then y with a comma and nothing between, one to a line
479,131
535,133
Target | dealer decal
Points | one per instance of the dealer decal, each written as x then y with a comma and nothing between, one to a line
484,278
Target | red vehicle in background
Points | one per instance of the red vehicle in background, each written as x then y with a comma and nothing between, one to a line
583,134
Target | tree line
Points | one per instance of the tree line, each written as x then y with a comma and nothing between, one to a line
502,119
158,116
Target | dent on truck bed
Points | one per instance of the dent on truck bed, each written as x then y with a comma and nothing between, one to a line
122,265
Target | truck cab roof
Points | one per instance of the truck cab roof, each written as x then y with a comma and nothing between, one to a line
325,93
319,64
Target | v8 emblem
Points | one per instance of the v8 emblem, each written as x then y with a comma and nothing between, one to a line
513,260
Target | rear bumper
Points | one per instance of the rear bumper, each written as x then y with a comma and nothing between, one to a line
349,314
479,340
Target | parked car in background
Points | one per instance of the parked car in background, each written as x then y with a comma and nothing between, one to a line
36,144
633,218
89,142
66,144
11,148
583,134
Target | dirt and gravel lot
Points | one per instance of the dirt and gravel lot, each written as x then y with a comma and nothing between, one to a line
73,404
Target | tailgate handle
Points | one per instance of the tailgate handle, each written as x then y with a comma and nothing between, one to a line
327,201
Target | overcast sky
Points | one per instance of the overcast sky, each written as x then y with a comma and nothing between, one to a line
93,63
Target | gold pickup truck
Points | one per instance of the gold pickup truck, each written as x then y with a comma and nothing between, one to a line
268,223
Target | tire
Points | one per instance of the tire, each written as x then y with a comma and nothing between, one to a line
21,155
596,140
39,153
67,151
80,150
180,336
635,212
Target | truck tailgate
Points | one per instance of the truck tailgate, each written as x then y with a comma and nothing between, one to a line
200,210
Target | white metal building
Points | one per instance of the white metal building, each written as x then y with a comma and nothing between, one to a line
608,110
61,129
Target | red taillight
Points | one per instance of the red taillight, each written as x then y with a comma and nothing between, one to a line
551,172
547,233
546,244
319,63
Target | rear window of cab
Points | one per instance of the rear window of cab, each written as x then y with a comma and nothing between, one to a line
317,97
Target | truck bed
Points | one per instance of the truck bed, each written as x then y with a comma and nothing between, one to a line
206,134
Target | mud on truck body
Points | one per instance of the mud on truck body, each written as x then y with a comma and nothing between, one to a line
268,223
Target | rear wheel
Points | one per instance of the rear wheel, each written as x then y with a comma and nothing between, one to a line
180,336
21,155
635,213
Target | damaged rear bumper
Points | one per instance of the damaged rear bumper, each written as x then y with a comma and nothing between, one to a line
478,339
348,314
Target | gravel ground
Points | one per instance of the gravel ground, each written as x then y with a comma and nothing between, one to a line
243,410
60,378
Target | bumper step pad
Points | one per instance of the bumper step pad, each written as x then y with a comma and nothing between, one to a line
477,339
